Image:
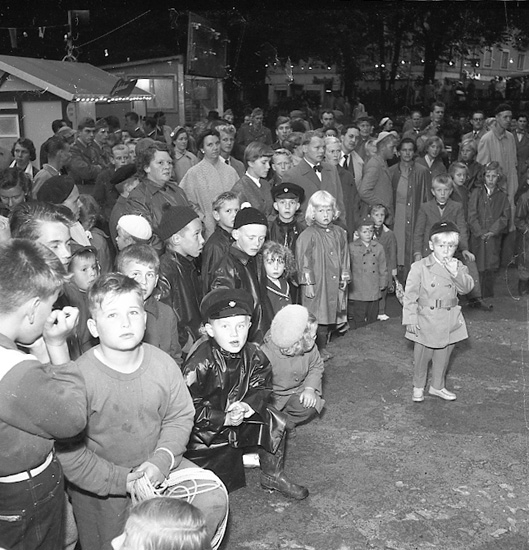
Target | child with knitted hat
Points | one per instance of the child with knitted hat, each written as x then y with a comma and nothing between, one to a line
297,367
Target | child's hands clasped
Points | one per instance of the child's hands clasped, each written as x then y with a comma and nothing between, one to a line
308,398
237,412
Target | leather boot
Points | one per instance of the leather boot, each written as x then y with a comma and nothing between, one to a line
273,477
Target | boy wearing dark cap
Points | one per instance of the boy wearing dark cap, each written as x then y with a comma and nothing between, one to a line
124,181
431,312
180,230
242,267
230,382
285,227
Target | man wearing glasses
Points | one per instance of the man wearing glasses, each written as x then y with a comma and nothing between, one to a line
478,130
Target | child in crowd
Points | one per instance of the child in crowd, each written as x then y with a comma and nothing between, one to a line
181,231
324,264
85,270
279,265
230,382
124,181
281,164
488,218
132,229
161,523
225,208
467,153
141,263
297,367
369,275
387,239
433,157
521,221
242,267
430,312
285,228
140,415
89,215
458,171
38,402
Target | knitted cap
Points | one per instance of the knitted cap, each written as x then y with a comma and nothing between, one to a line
248,216
174,219
136,226
56,189
288,325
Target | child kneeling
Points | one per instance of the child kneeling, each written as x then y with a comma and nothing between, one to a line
431,313
230,382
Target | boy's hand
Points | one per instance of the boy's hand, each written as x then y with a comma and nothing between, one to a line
237,412
131,478
59,325
487,235
451,266
309,291
469,257
152,472
414,329
308,398
417,257
343,284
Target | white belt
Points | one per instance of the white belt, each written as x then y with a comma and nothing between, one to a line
28,474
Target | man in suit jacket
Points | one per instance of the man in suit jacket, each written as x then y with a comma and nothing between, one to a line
376,187
521,138
350,159
314,175
478,130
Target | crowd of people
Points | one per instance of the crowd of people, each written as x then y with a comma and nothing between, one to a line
167,298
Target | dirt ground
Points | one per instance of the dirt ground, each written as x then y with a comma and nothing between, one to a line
387,473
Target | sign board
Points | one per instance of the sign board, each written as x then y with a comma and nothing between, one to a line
206,48
123,88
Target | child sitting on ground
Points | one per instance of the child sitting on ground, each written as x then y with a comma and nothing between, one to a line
230,382
430,312
161,523
488,218
141,263
297,367
85,270
132,229
369,276
387,239
140,417
323,266
225,208
181,231
279,265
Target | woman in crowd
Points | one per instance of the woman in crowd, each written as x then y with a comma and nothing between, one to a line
183,159
24,153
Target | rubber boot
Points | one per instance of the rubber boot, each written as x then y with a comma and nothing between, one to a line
273,477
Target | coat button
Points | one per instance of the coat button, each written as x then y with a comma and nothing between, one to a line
433,284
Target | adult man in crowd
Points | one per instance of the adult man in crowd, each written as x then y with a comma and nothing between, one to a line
350,159
327,120
415,123
314,175
283,130
85,164
255,131
433,126
522,148
365,125
101,138
376,187
58,155
55,126
132,125
478,127
227,141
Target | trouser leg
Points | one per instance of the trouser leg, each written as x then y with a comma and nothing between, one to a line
440,360
422,355
371,309
296,413
321,336
382,303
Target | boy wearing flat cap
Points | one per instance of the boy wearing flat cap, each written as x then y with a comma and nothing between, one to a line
180,230
229,380
242,268
431,312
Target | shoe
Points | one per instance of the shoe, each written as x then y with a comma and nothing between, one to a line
443,394
478,303
281,483
251,460
418,395
326,355
382,317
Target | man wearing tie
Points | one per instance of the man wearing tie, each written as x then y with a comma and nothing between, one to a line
314,175
478,130
521,138
350,159
415,122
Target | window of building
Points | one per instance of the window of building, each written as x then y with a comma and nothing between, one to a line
9,130
163,90
487,58
504,59
521,61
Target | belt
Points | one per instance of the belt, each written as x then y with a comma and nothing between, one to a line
28,474
439,304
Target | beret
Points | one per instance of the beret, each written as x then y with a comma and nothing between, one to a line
123,173
226,302
367,220
56,189
248,216
502,107
288,325
287,190
443,227
136,226
174,219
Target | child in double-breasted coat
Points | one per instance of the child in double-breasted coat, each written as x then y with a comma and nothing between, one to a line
431,312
